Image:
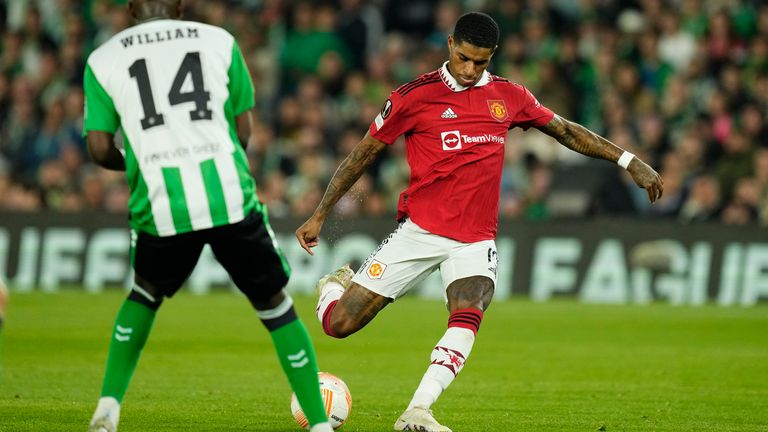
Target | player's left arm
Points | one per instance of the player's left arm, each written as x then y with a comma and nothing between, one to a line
580,139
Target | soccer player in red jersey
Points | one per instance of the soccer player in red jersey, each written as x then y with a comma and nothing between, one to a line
455,121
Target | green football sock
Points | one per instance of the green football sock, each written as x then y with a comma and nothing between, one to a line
297,357
132,326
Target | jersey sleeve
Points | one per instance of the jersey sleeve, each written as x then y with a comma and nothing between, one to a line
532,113
241,93
393,120
100,112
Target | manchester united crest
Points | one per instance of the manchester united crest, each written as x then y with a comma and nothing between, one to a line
498,110
376,269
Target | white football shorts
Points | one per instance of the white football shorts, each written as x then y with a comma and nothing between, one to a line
411,253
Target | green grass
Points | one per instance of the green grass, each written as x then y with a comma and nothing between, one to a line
560,366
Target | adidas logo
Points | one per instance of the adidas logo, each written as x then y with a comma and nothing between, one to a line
449,114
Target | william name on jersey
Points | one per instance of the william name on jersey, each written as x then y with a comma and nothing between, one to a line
160,36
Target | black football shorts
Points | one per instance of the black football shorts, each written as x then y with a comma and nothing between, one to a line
245,249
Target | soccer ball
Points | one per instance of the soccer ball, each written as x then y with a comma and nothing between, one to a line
337,399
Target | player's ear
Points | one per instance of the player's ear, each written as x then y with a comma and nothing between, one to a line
450,42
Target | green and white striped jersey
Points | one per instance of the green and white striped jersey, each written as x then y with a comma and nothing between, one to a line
174,89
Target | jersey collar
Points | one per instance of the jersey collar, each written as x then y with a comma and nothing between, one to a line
454,85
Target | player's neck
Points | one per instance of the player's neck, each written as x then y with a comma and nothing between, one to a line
153,13
150,19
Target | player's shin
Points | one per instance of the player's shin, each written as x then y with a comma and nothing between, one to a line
297,357
132,327
448,356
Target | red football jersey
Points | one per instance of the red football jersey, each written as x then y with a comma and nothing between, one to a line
455,140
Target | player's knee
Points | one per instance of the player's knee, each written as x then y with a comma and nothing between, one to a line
146,294
341,327
279,313
262,302
472,292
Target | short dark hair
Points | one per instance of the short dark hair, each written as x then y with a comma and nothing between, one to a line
478,29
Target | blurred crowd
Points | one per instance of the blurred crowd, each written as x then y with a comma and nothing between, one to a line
681,83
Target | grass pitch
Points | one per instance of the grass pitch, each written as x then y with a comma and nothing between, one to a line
562,366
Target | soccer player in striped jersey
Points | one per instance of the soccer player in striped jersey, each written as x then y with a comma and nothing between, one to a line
181,95
455,121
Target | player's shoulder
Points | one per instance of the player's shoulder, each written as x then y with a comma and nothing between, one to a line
420,86
505,84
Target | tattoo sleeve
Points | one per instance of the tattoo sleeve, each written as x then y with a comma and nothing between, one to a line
580,139
349,172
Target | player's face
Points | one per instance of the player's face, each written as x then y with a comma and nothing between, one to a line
467,62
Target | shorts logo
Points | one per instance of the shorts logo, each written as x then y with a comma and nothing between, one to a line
376,269
451,140
493,260
498,109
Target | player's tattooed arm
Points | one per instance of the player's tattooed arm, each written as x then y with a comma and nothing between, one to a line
580,139
101,147
346,175
350,170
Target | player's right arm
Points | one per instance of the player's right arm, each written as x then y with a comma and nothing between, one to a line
350,170
395,119
101,147
244,123
101,122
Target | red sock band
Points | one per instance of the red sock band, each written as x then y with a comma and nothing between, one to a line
466,318
327,318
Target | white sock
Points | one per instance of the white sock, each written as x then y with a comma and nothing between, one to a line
448,359
109,407
329,293
321,427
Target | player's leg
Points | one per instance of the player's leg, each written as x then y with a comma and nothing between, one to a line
344,311
161,264
348,302
468,297
249,253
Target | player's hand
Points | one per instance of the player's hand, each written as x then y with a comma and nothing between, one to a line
646,178
309,233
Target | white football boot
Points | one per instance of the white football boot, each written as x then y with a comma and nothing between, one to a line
419,419
106,417
342,276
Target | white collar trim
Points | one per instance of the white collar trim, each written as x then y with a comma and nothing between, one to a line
454,85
